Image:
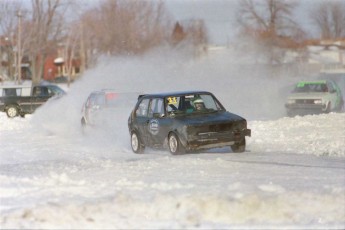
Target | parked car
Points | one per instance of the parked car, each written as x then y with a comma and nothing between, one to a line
313,97
102,106
185,121
25,99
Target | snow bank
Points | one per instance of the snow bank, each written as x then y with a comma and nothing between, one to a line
313,134
193,211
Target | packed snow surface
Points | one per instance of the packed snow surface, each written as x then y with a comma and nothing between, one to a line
292,175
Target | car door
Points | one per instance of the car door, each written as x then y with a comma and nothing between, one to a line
142,120
40,96
92,108
158,124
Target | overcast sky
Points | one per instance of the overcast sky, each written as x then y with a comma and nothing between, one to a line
219,16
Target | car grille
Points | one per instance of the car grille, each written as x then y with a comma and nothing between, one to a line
305,101
215,128
210,128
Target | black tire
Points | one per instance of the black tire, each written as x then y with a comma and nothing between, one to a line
136,144
239,147
12,111
83,126
174,144
83,122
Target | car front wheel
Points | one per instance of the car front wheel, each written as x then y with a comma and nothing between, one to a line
174,144
136,144
12,111
239,147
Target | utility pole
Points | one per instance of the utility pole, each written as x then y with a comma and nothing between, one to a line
19,48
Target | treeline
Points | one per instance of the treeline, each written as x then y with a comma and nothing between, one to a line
30,32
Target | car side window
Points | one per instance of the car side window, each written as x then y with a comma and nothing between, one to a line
11,92
142,109
210,103
91,101
37,91
100,100
172,104
156,106
44,91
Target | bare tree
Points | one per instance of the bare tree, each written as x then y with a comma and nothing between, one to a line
45,30
8,28
329,18
129,27
178,34
268,21
72,46
197,32
192,32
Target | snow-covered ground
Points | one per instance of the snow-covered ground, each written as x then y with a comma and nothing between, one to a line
291,176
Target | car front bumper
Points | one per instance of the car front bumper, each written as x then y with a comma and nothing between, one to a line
207,140
304,109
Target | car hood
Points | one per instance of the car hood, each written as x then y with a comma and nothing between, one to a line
210,118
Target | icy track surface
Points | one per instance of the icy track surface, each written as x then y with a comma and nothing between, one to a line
52,176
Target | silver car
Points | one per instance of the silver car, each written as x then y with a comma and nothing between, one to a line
313,97
104,107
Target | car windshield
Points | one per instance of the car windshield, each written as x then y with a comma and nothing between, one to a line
192,104
56,90
310,88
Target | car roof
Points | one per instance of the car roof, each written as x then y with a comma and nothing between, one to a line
175,93
318,82
104,91
313,82
14,86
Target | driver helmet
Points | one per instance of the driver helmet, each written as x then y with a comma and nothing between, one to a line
199,104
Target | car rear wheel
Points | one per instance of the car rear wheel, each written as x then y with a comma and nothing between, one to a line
239,147
174,144
83,126
136,144
12,111
83,122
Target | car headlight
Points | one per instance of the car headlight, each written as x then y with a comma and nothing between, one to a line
291,101
318,101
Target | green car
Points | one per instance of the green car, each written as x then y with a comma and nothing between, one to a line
314,97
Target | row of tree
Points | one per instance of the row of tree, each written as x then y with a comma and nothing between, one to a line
117,27
272,24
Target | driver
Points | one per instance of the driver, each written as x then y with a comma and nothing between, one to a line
199,104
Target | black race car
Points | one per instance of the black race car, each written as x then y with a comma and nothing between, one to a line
185,121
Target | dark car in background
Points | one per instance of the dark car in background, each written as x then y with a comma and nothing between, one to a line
20,100
185,121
